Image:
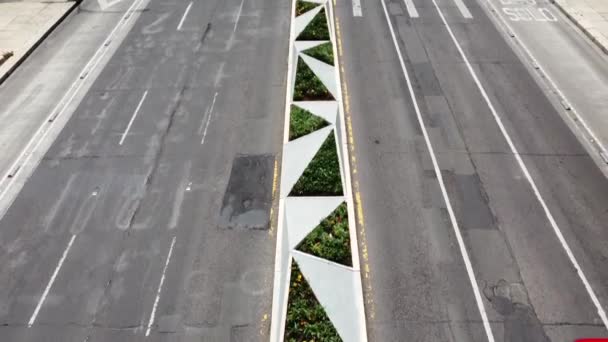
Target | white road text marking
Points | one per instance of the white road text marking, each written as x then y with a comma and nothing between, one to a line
160,287
51,281
357,12
124,135
526,173
446,198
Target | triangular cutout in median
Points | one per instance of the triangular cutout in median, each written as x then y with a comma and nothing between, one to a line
303,122
306,317
308,87
317,29
304,6
322,175
330,240
323,52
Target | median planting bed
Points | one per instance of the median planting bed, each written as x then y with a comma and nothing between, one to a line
319,297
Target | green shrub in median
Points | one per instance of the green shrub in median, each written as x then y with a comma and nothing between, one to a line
302,122
330,240
308,87
317,28
322,175
304,6
306,318
323,52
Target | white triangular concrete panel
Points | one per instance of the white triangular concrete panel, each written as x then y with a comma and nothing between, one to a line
304,19
297,154
303,214
340,143
327,110
335,287
294,70
325,72
303,45
316,1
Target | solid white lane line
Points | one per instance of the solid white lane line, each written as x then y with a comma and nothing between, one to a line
238,16
141,101
357,12
51,281
208,119
444,193
463,9
181,22
526,173
411,8
160,287
65,101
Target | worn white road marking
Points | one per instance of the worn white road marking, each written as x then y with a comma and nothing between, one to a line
411,8
51,281
63,104
357,12
160,287
141,101
444,193
463,9
238,16
181,22
526,173
210,113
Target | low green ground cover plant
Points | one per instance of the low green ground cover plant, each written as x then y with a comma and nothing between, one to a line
302,122
317,28
322,175
304,6
330,240
323,52
308,86
306,318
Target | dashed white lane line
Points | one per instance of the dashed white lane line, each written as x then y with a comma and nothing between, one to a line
524,169
51,281
238,16
411,8
463,9
160,288
357,12
181,22
141,101
210,113
444,193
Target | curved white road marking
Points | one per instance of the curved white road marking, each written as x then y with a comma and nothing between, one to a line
526,173
444,193
181,22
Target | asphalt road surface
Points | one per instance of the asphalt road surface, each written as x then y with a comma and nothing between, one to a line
420,287
148,216
125,228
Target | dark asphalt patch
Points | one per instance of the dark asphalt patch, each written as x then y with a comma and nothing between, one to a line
248,197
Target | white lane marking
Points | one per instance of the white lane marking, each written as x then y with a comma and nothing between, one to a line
141,101
67,98
509,30
444,193
238,16
181,22
160,287
411,8
357,12
51,281
208,118
463,9
526,173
